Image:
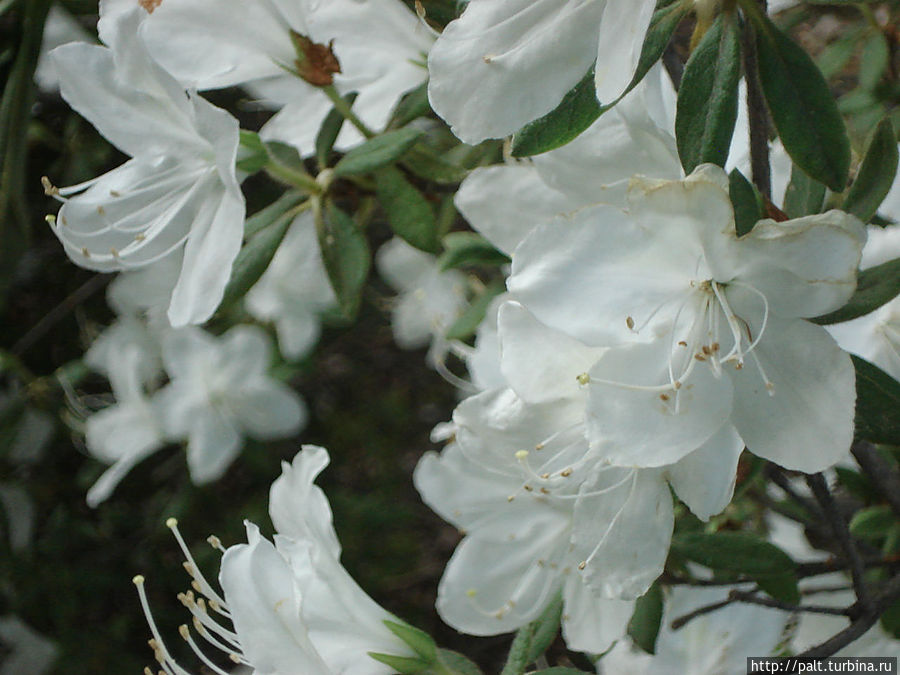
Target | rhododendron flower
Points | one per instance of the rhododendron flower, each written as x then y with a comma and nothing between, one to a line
178,193
706,328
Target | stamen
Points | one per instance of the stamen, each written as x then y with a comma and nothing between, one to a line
162,654
203,585
186,635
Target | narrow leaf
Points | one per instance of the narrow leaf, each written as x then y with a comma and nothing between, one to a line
377,152
402,664
252,155
876,174
409,213
781,587
580,107
418,640
803,196
254,258
413,105
875,286
739,552
747,203
468,248
467,323
708,97
346,255
873,522
873,60
802,107
532,640
328,132
645,622
425,164
265,217
877,404
559,670
454,663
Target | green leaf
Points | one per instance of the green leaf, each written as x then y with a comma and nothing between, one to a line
402,664
265,217
252,153
739,552
377,152
328,132
836,55
456,664
708,96
255,257
559,670
412,105
875,286
747,203
346,255
644,624
803,196
856,483
801,105
468,248
877,404
873,60
781,587
873,522
425,164
876,174
532,641
890,620
467,323
580,108
409,213
418,640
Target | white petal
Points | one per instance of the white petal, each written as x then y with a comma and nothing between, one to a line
265,609
807,422
504,203
641,427
500,65
591,623
213,443
539,363
704,479
622,32
269,411
298,122
627,531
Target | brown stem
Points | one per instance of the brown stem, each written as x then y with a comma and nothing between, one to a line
757,115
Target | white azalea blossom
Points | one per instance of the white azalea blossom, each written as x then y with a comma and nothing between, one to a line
706,329
219,392
60,28
128,431
177,194
209,44
717,643
294,290
504,63
288,607
430,300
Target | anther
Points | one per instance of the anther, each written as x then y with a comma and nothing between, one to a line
521,454
663,397
565,473
51,219
629,322
582,565
584,379
85,252
49,188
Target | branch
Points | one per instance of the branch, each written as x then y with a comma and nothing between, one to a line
757,114
838,525
751,598
880,472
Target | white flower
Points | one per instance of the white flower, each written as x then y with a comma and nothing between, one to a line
60,28
430,300
178,192
294,290
28,651
717,643
294,609
210,44
706,328
128,431
219,391
504,63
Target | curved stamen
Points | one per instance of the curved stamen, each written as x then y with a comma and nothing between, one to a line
192,568
186,635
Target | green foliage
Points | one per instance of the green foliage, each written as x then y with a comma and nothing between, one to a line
468,248
801,105
803,196
874,522
408,211
875,286
736,552
708,96
532,641
417,640
876,174
647,618
467,323
877,404
580,107
747,203
377,152
346,255
329,131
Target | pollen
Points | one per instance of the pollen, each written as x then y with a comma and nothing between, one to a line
584,379
629,322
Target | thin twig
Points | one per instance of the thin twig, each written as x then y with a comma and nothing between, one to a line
700,611
777,476
751,598
841,532
757,115
58,313
880,472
